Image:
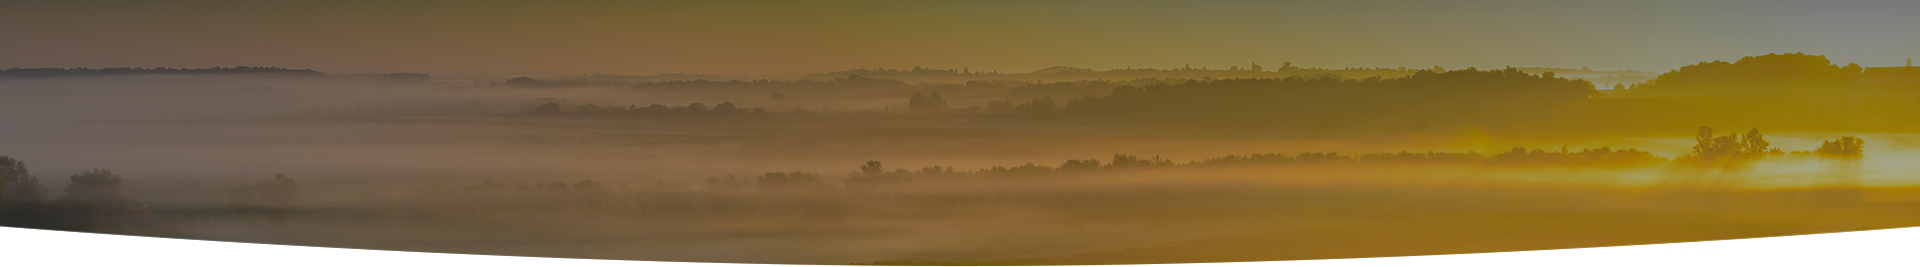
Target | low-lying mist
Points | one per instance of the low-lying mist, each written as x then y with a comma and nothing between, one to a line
479,167
1036,217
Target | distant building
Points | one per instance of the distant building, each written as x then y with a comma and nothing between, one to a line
1908,74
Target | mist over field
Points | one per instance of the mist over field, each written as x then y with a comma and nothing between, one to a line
923,166
947,133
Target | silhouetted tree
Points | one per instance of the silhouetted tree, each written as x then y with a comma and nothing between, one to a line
17,184
548,108
93,202
1731,150
726,108
1845,147
1074,165
696,109
872,167
94,186
22,199
936,102
933,103
1752,144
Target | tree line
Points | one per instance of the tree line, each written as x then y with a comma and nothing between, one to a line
1792,91
1065,73
1425,93
1795,91
22,73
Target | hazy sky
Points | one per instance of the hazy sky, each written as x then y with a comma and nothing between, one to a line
735,37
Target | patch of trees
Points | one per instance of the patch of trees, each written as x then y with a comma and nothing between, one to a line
22,73
1764,75
91,202
1796,89
1730,149
926,103
1734,150
94,202
16,183
1845,147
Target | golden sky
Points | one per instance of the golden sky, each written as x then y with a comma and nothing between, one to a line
738,37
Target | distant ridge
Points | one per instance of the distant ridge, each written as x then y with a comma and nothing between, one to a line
28,73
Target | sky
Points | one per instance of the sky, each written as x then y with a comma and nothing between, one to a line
766,37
